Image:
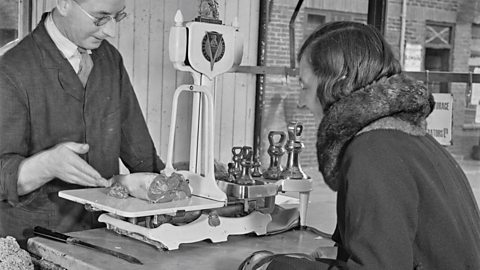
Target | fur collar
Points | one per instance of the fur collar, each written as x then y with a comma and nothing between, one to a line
397,102
390,122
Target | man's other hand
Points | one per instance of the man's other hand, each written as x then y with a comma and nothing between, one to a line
61,161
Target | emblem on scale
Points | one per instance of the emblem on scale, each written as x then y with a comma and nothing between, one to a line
213,47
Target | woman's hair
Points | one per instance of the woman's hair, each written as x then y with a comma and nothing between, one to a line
347,56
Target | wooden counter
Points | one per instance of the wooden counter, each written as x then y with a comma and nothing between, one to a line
201,255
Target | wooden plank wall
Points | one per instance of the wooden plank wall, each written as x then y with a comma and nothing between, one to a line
143,41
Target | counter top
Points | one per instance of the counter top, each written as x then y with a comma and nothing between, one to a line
200,255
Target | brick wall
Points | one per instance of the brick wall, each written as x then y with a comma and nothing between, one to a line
447,5
443,11
281,92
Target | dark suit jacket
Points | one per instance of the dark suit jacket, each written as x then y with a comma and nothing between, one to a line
43,103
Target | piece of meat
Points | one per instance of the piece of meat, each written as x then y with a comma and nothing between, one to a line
137,184
152,187
166,189
118,191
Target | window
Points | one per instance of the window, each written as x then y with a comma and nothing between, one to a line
438,35
438,45
437,60
316,17
313,21
14,20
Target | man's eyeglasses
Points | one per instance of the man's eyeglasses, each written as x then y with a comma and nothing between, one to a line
105,19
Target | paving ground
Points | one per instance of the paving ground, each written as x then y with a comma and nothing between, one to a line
321,211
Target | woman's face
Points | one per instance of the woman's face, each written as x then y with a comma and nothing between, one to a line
308,95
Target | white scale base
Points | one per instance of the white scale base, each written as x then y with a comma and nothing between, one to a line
168,236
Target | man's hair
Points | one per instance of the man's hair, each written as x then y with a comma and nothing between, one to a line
347,56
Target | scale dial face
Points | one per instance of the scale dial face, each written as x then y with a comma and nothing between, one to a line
213,47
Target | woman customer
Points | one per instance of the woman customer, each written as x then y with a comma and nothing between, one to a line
402,200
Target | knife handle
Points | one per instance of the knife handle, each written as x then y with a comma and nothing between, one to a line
41,231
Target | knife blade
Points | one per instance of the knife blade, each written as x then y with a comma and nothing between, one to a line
44,232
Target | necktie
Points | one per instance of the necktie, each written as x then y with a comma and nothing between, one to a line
86,65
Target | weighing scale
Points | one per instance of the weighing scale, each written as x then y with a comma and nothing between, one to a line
217,208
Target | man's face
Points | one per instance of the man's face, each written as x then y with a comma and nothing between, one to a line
80,28
308,95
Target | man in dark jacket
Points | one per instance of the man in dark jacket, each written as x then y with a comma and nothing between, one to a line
68,113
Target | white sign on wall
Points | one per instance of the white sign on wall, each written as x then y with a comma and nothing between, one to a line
475,95
413,57
439,122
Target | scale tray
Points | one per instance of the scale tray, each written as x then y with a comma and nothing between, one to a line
134,207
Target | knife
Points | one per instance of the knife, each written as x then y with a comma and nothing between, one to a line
44,232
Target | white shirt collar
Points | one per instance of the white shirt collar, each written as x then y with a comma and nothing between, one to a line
66,47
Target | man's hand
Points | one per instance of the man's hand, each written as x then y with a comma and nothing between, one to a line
61,161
